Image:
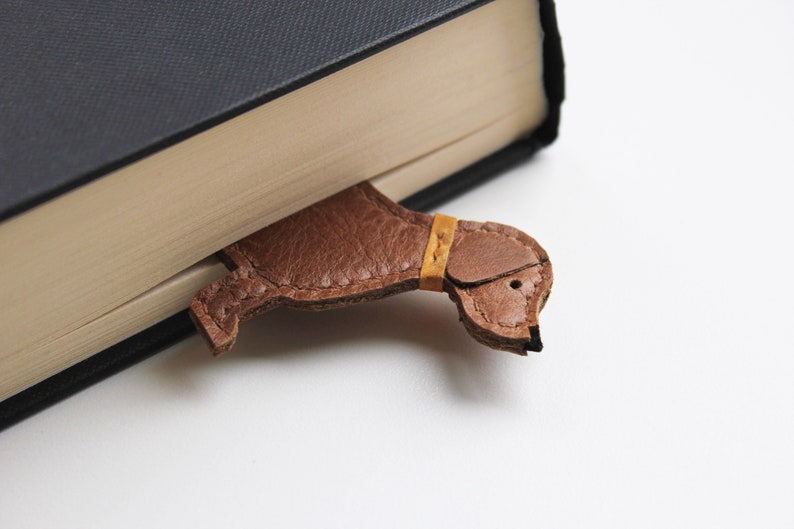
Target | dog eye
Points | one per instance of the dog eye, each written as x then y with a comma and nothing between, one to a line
515,283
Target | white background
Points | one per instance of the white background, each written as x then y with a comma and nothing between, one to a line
665,394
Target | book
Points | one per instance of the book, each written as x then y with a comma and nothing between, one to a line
136,142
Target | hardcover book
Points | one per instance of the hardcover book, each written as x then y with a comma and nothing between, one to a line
136,140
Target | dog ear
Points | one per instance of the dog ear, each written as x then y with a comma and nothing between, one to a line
484,255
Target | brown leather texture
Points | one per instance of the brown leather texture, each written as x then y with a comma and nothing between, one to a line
358,246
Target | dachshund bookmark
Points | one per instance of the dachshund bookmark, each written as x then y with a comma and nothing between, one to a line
359,246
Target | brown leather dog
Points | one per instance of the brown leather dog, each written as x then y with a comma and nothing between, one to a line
358,246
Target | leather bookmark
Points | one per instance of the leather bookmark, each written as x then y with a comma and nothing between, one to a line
359,246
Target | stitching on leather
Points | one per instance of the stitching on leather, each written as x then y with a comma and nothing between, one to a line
482,314
372,200
495,230
204,305
400,214
479,311
248,295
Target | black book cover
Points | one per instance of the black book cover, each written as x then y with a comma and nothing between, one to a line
56,66
98,85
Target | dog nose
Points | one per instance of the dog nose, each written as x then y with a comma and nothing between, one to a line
534,343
